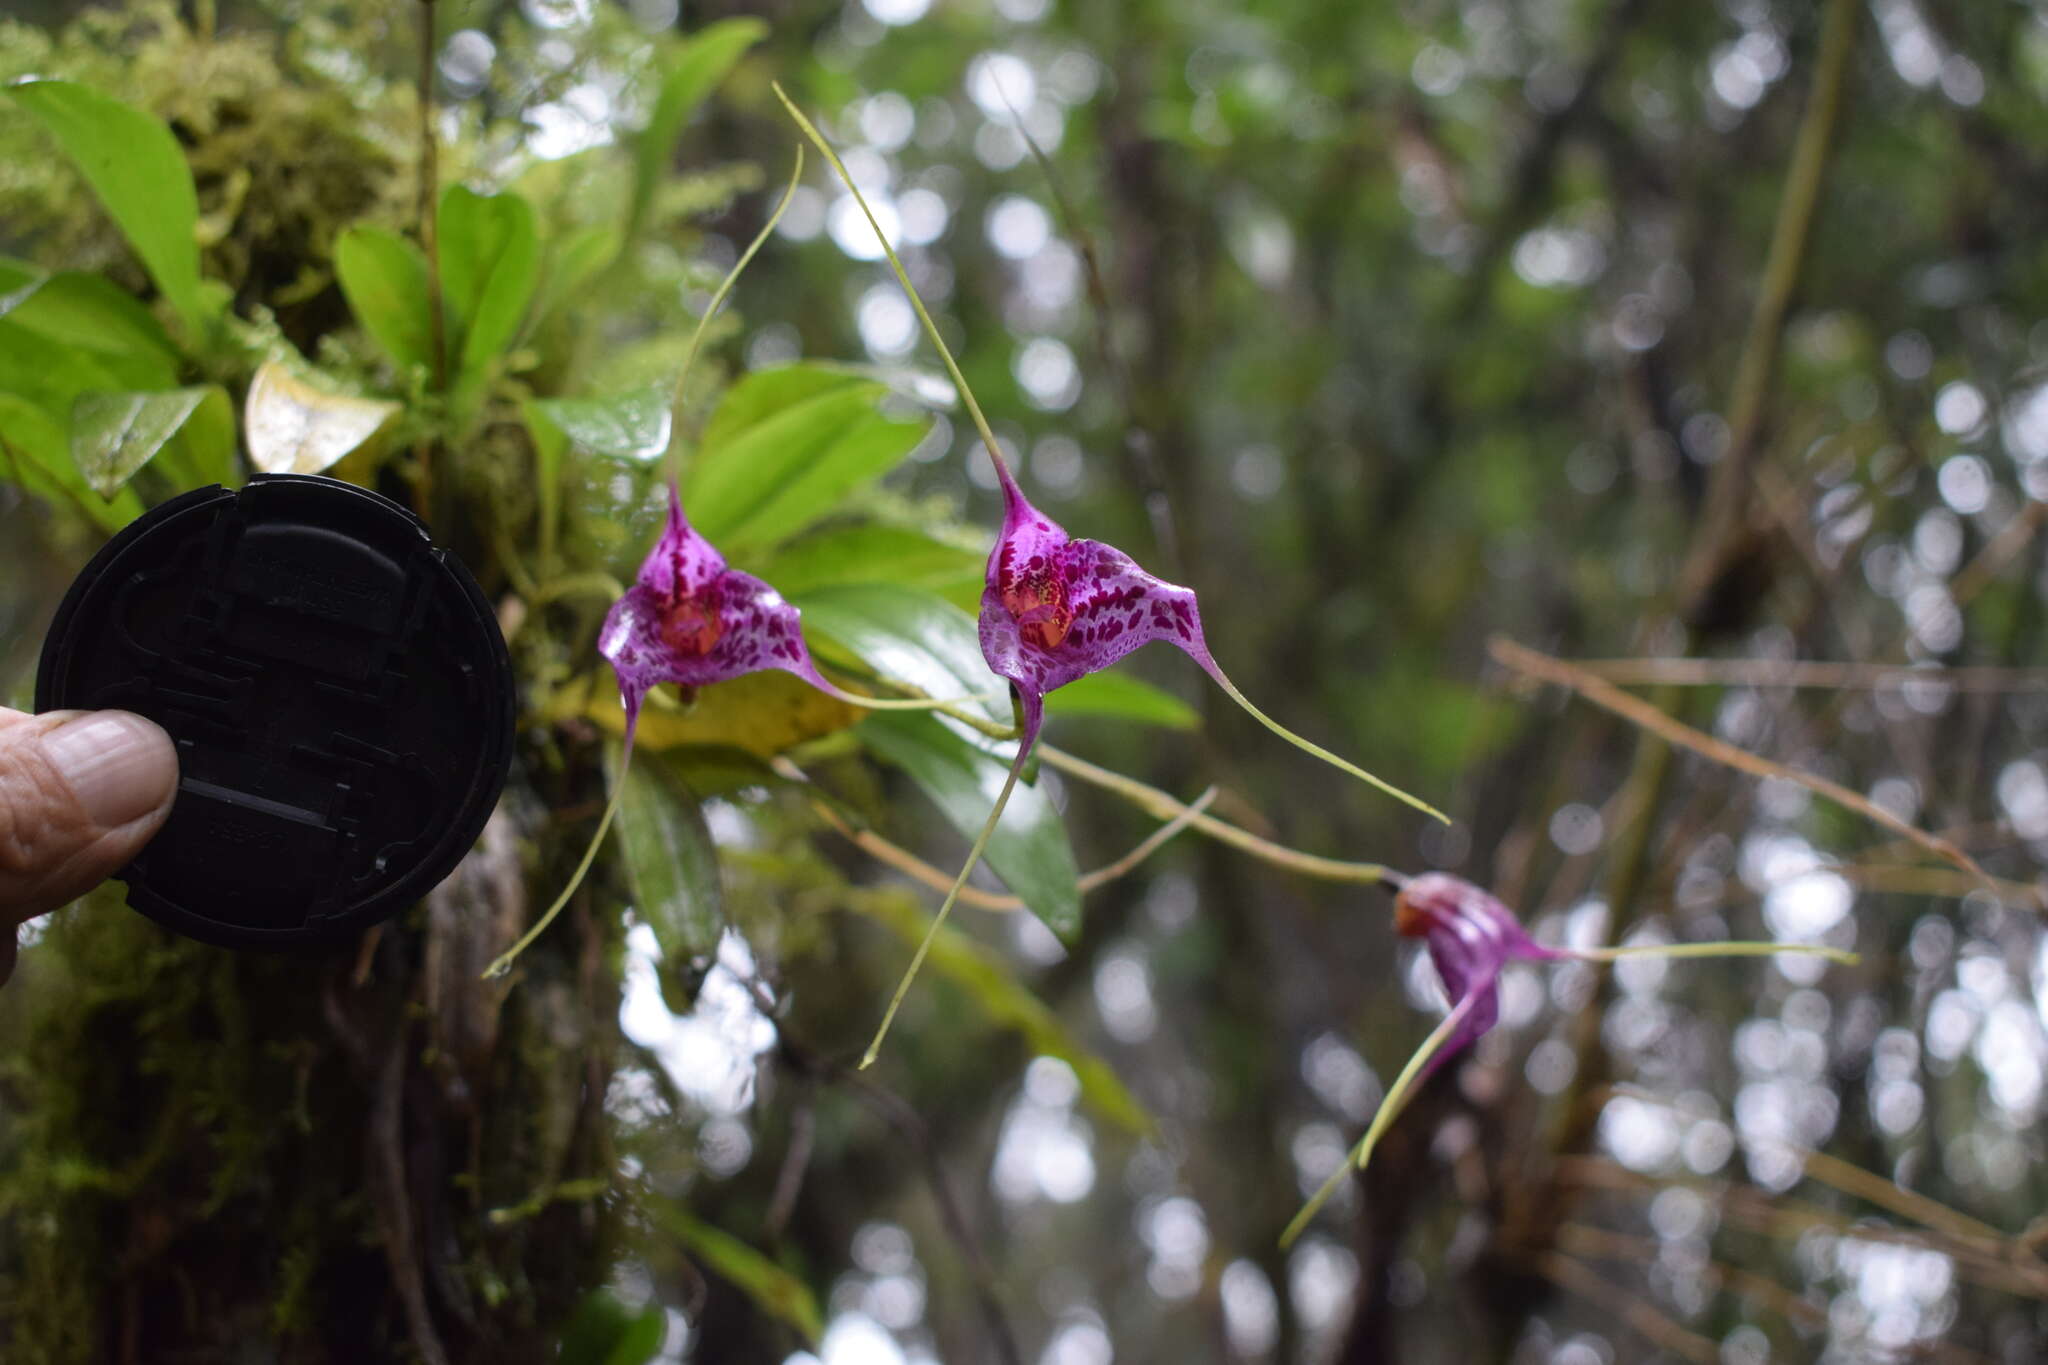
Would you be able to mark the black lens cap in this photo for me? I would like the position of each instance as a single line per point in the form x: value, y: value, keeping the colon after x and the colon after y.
x: 337, y: 688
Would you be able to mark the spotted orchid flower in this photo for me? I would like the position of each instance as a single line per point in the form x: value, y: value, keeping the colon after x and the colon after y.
x: 1054, y: 609
x: 689, y: 619
x: 1471, y: 938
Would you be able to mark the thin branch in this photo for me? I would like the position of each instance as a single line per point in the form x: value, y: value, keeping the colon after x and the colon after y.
x: 1732, y: 485
x: 1164, y: 806
x: 1886, y: 1194
x: 918, y: 870
x: 1651, y: 1323
x: 1530, y: 663
x: 1807, y: 674
x: 430, y: 184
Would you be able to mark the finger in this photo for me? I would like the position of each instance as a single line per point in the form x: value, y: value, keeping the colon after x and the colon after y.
x: 80, y: 794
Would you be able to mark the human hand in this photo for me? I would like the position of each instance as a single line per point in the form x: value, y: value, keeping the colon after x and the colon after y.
x: 80, y: 793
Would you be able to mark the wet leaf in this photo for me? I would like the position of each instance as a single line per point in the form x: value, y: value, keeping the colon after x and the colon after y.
x: 624, y: 426
x: 36, y: 454
x: 293, y: 428
x: 1029, y: 849
x: 115, y: 434
x: 907, y: 636
x: 137, y: 169
x: 671, y: 864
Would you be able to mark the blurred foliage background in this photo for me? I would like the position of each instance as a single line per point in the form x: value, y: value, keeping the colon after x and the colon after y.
x: 1628, y: 331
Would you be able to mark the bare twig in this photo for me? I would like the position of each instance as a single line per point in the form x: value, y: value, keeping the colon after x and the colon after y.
x: 1164, y: 806
x: 1807, y: 674
x: 1530, y: 663
x: 1729, y: 491
x: 918, y: 870
x: 1654, y: 1325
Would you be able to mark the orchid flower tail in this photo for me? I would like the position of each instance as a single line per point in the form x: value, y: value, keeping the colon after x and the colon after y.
x: 1309, y: 746
x: 718, y: 297
x: 931, y: 329
x: 503, y: 962
x: 1841, y: 955
x: 1031, y: 722
x: 1398, y: 1095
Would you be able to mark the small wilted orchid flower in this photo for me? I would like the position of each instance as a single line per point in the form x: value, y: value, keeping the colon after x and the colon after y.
x: 1471, y: 937
x: 1055, y: 609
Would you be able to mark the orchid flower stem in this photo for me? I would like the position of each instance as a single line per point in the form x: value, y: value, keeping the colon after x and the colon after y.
x: 1390, y: 1109
x: 1165, y: 806
x: 504, y: 962
x: 941, y: 704
x: 931, y: 329
x: 946, y: 908
x: 725, y: 285
x: 1841, y: 955
x: 1307, y: 746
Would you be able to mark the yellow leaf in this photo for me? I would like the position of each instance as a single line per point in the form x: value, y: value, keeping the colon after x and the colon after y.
x: 294, y: 428
x: 764, y: 713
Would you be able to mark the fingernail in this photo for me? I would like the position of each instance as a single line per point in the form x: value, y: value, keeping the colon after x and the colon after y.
x: 118, y: 765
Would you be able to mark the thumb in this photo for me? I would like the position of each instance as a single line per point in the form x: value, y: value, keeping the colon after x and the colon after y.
x: 80, y: 794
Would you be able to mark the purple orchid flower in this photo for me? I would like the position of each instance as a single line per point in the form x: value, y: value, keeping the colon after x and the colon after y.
x: 1471, y: 937
x: 1054, y: 609
x: 690, y: 620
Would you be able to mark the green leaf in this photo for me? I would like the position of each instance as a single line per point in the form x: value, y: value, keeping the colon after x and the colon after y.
x: 757, y: 481
x: 624, y: 426
x: 603, y: 1331
x: 1121, y: 697
x: 1029, y: 849
x: 384, y: 278
x: 490, y: 263
x: 773, y: 1290
x: 671, y: 863
x: 90, y: 313
x: 706, y: 61
x: 294, y: 428
x: 35, y: 453
x: 139, y: 172
x: 907, y: 636
x: 1004, y: 999
x: 49, y: 374
x: 572, y: 263
x: 114, y: 434
x: 868, y: 553
x: 759, y: 395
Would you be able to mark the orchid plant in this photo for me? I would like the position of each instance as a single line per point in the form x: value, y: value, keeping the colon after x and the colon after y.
x: 691, y: 619
x: 1055, y: 609
x: 1471, y: 937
